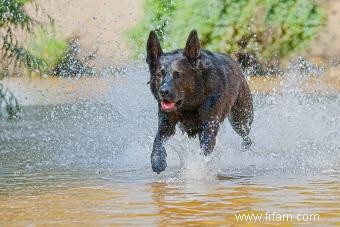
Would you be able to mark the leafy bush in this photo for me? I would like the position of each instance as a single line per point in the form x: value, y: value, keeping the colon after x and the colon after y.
x: 267, y: 28
x: 12, y: 12
x: 61, y: 57
x: 14, y: 16
x: 44, y: 50
x: 48, y: 45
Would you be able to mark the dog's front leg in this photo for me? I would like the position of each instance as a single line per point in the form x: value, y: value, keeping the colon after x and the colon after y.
x: 166, y: 128
x: 208, y: 135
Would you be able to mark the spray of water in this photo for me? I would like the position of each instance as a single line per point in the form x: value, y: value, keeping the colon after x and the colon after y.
x: 294, y: 131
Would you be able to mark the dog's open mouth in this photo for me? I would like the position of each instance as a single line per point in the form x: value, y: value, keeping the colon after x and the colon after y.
x: 169, y: 106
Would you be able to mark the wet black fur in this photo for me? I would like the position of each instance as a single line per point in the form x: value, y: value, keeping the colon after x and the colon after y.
x: 207, y: 87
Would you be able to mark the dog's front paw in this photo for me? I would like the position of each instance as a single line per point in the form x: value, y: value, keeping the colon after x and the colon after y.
x: 158, y: 163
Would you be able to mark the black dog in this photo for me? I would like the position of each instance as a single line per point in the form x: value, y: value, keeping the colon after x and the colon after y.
x: 198, y: 89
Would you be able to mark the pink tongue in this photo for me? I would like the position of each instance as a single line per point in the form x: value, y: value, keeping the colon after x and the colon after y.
x: 167, y: 105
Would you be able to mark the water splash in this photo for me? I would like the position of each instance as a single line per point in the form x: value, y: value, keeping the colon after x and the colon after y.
x: 294, y: 132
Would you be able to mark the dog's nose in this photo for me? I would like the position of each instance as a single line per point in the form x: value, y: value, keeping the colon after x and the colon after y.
x: 164, y: 91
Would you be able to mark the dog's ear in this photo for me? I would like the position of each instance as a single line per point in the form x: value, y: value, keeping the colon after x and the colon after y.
x: 153, y: 48
x: 193, y: 47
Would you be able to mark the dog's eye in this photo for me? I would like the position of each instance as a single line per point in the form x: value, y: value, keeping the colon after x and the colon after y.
x: 159, y: 75
x: 176, y: 75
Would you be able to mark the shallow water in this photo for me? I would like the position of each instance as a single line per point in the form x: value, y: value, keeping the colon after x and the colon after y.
x: 88, y: 163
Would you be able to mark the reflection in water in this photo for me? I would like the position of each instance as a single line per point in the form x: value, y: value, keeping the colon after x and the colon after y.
x: 160, y: 203
x: 89, y: 163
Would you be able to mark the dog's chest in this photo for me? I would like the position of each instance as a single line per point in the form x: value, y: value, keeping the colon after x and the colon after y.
x: 190, y: 123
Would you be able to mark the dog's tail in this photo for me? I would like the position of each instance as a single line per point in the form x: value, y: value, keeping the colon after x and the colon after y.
x: 251, y: 66
x: 249, y: 63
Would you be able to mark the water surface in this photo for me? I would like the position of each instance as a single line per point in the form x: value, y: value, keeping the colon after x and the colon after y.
x: 88, y: 163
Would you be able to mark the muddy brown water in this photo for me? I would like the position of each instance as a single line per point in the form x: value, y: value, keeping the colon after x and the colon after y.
x: 81, y: 157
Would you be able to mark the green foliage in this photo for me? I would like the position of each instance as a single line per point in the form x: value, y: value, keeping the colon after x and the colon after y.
x: 12, y: 13
x: 44, y: 52
x: 268, y: 28
x: 14, y: 54
x: 14, y: 16
x: 158, y: 14
x: 45, y: 44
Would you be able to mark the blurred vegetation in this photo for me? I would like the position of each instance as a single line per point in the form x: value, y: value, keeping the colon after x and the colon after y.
x: 266, y: 29
x: 13, y: 16
x: 46, y: 44
x: 45, y: 47
x: 44, y: 52
x: 61, y: 56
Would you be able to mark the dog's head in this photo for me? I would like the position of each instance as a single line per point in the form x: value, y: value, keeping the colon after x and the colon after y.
x: 174, y: 75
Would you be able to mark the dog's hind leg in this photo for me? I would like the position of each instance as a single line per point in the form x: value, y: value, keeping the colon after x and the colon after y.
x: 241, y: 115
x: 207, y: 136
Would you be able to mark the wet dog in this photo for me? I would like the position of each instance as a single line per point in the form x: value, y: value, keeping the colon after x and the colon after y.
x: 197, y: 89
